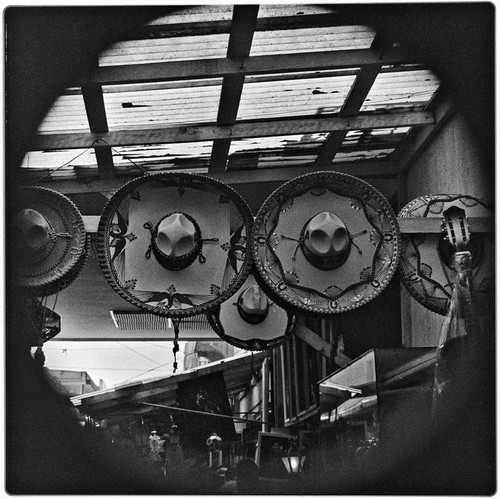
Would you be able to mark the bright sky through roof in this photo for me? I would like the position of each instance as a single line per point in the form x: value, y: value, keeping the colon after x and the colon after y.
x: 114, y: 361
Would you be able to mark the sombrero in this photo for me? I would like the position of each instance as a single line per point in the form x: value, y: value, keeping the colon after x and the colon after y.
x: 250, y: 320
x: 174, y: 244
x: 426, y: 267
x: 50, y: 244
x: 325, y: 243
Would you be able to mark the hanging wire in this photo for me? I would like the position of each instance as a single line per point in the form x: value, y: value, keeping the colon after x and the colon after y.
x: 142, y: 355
x: 146, y: 172
x: 65, y: 164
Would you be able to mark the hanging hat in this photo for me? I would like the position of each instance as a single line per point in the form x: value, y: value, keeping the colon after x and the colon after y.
x: 325, y: 243
x: 176, y: 241
x: 250, y: 320
x: 426, y: 268
x: 50, y: 244
x: 174, y: 244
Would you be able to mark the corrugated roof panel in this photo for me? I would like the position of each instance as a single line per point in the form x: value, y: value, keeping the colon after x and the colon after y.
x: 153, y: 106
x: 287, y: 98
x: 266, y: 143
x: 373, y: 139
x: 401, y: 89
x: 188, y: 155
x: 272, y: 10
x: 57, y: 159
x: 265, y: 161
x: 66, y: 114
x: 316, y: 39
x: 194, y: 14
x: 193, y: 156
x: 362, y: 155
x: 267, y: 152
x: 165, y: 49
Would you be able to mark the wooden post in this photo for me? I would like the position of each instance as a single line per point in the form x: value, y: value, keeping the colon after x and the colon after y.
x: 265, y: 394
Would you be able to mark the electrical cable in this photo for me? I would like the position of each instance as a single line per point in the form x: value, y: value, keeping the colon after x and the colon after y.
x: 132, y: 350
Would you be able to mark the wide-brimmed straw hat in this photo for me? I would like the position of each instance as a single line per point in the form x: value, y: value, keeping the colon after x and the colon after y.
x: 175, y: 244
x: 325, y: 243
x: 250, y: 320
x: 426, y: 268
x: 50, y: 244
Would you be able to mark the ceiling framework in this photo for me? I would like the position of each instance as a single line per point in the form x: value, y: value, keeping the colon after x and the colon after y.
x: 243, y: 89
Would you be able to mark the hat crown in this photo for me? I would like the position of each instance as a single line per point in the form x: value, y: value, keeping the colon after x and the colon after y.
x: 326, y: 235
x: 34, y: 229
x: 253, y: 300
x: 176, y: 235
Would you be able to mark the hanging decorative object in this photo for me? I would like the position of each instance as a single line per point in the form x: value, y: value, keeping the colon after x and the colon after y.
x: 250, y: 320
x: 50, y: 246
x: 325, y: 243
x: 427, y: 267
x: 46, y: 323
x: 175, y: 244
x: 458, y: 343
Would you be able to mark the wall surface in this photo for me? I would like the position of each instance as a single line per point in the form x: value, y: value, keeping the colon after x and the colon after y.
x: 451, y: 164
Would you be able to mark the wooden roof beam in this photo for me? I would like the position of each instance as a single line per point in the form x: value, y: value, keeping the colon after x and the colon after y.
x: 224, y: 26
x: 220, y: 67
x: 239, y: 45
x: 353, y: 103
x: 410, y: 150
x: 372, y: 169
x: 96, y: 115
x: 239, y: 130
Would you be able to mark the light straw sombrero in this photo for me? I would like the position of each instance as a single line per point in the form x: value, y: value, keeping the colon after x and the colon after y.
x: 325, y: 243
x: 426, y: 269
x: 250, y: 320
x: 175, y: 244
x: 50, y: 245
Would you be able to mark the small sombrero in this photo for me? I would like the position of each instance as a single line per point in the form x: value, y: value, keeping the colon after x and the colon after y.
x: 50, y: 245
x: 250, y: 320
x: 175, y: 244
x: 426, y: 267
x: 325, y: 243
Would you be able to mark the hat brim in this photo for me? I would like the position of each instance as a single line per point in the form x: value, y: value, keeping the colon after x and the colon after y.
x: 123, y: 242
x: 68, y: 252
x: 273, y: 331
x: 290, y: 278
x: 422, y: 270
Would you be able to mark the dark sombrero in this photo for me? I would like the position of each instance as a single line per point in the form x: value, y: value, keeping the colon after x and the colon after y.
x: 50, y: 243
x: 426, y: 267
x: 250, y: 320
x: 175, y: 244
x: 325, y: 243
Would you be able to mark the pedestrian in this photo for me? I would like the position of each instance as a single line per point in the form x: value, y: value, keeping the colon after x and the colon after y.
x: 154, y: 446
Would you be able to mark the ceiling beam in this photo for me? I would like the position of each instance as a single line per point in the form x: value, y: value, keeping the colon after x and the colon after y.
x: 239, y: 45
x: 372, y: 169
x: 96, y: 115
x: 352, y: 105
x: 220, y: 67
x: 239, y: 130
x: 416, y: 143
x: 224, y: 26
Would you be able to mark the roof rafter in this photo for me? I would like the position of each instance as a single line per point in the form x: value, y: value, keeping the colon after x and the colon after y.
x: 220, y: 67
x: 240, y: 43
x: 96, y: 115
x: 224, y: 26
x: 373, y: 169
x: 239, y: 130
x: 360, y: 89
